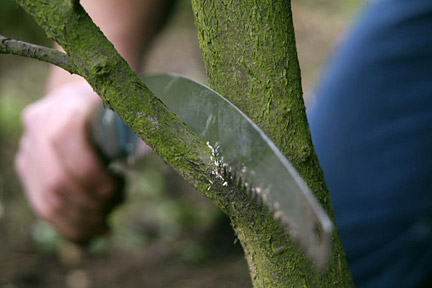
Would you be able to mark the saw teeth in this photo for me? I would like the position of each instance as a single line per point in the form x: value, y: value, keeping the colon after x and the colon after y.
x: 233, y: 176
x: 256, y: 194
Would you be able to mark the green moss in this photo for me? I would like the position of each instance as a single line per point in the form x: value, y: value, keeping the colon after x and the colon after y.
x: 250, y: 55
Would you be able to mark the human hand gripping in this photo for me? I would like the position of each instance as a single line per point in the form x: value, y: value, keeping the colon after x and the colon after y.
x: 64, y: 180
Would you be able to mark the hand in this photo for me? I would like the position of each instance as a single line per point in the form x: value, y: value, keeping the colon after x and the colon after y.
x: 64, y: 180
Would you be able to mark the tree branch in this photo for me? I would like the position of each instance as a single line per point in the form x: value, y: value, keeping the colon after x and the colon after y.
x: 45, y: 54
x: 94, y: 58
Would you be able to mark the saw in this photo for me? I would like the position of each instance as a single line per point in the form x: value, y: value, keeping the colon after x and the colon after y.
x: 240, y: 148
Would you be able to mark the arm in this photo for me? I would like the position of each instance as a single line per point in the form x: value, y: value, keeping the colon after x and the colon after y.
x: 65, y: 182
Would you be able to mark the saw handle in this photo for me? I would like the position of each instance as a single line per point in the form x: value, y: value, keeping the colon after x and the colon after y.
x: 110, y: 136
x: 111, y: 139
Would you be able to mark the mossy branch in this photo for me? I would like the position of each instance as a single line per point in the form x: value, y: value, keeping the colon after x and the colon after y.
x: 93, y: 57
x: 45, y: 54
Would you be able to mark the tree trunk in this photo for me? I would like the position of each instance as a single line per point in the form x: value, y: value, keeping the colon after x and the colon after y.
x: 250, y: 55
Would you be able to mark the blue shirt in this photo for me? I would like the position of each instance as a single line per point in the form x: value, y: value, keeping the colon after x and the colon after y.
x: 371, y: 126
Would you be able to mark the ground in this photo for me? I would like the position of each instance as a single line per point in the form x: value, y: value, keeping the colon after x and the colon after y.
x: 165, y: 235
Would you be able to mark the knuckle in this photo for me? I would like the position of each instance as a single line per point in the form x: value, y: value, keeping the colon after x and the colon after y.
x: 64, y: 132
x: 29, y: 115
x: 56, y: 137
x: 49, y: 213
x: 55, y: 183
x: 57, y: 133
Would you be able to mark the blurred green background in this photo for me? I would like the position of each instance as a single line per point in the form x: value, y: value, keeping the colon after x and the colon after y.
x: 165, y: 235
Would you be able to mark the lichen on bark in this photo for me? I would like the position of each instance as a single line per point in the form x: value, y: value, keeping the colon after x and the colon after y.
x: 251, y: 58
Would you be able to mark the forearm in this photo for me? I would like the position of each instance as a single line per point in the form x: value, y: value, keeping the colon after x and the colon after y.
x: 129, y: 24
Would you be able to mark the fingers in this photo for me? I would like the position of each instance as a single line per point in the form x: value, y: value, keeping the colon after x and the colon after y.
x: 92, y: 173
x: 65, y: 182
x: 54, y: 198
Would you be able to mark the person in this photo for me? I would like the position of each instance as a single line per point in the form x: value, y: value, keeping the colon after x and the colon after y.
x: 371, y: 126
x: 65, y: 181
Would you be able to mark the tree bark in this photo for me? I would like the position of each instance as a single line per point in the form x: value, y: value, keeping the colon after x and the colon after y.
x: 48, y: 55
x: 251, y: 58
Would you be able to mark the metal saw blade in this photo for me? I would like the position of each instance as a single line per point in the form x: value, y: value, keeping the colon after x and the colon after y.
x: 251, y: 156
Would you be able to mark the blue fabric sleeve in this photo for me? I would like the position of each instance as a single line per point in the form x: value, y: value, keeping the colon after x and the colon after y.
x: 371, y: 126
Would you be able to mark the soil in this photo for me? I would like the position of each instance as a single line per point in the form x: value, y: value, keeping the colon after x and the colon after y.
x: 158, y: 267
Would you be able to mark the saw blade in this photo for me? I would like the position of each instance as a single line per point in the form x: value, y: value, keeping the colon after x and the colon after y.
x: 241, y: 147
